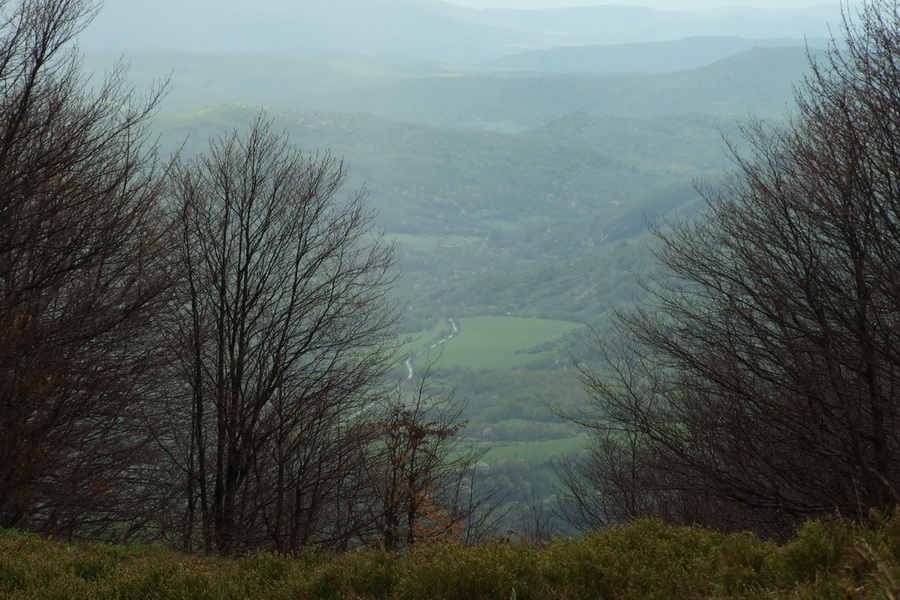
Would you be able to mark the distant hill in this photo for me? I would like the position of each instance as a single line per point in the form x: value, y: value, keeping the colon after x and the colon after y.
x: 687, y: 53
x: 486, y: 219
x: 429, y: 180
x: 615, y: 24
x: 280, y: 78
x: 574, y: 143
x: 431, y: 30
x: 428, y: 29
x: 757, y: 82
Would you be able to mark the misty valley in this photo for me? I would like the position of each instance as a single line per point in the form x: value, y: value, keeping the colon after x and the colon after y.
x: 377, y: 280
x: 515, y: 158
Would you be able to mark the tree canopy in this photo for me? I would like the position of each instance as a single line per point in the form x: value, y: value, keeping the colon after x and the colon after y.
x: 757, y: 384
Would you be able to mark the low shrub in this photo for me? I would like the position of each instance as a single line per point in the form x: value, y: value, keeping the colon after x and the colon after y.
x: 449, y: 570
x: 360, y: 574
x: 828, y: 558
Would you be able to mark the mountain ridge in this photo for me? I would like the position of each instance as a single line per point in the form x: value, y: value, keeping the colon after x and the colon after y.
x: 680, y: 54
x: 433, y: 30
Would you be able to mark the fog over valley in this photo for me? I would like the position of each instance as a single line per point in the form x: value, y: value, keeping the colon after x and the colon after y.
x: 515, y: 155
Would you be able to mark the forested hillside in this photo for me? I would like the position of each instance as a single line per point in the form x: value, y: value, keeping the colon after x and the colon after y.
x: 506, y: 184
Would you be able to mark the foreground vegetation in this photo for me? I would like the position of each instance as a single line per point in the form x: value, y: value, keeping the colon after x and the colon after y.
x: 831, y: 558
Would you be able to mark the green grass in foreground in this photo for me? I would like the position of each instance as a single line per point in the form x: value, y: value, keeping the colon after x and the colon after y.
x: 831, y: 558
x: 488, y: 343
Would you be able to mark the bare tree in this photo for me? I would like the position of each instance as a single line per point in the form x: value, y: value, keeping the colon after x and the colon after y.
x: 423, y: 478
x: 284, y: 328
x: 536, y: 521
x: 83, y: 277
x: 758, y: 384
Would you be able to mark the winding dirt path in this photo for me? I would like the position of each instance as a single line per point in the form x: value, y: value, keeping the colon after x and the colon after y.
x: 435, y: 344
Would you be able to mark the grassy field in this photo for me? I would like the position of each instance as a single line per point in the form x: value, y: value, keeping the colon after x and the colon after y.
x: 830, y: 558
x: 487, y: 343
x: 532, y: 451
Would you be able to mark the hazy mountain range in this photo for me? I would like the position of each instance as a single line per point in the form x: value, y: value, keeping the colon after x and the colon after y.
x: 428, y: 29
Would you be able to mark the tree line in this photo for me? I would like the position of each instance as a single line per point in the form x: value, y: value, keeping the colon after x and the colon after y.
x: 757, y: 385
x: 194, y: 350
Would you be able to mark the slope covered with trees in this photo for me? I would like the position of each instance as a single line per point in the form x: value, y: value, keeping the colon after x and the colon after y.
x: 193, y: 351
x: 755, y: 386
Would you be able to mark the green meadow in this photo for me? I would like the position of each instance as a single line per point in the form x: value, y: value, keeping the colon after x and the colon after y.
x: 532, y: 452
x: 490, y: 343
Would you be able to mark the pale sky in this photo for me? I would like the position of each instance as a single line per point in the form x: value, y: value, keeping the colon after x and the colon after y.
x: 670, y: 4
